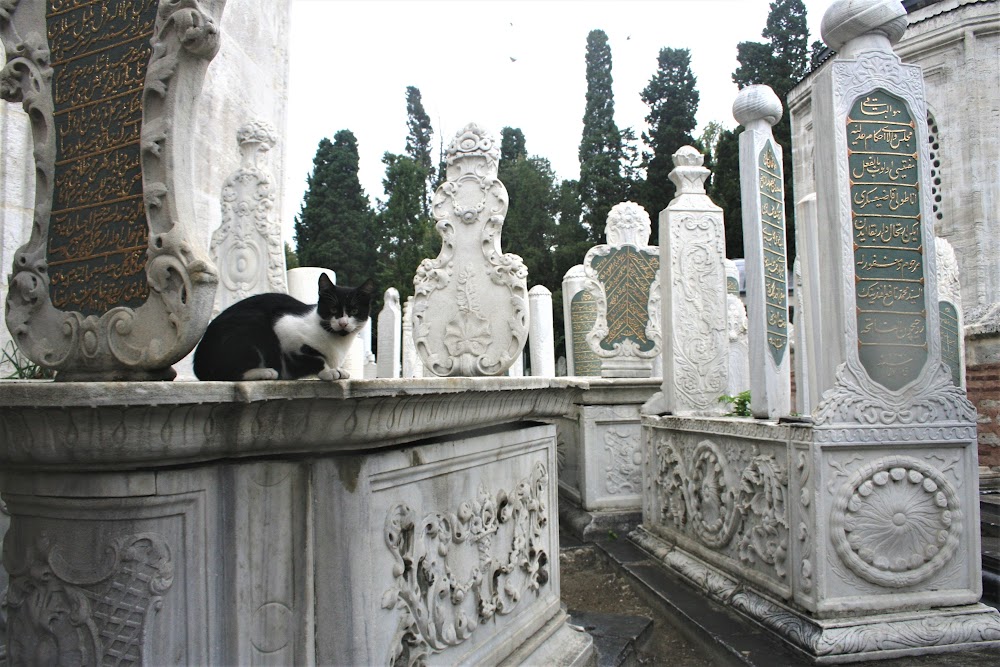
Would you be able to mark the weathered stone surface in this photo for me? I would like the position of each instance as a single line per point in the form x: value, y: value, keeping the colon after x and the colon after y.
x: 541, y: 337
x: 470, y: 307
x: 579, y: 316
x: 390, y: 336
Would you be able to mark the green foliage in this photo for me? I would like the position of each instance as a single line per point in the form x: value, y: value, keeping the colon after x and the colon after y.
x: 780, y: 63
x: 672, y: 97
x: 406, y: 234
x: 512, y: 146
x: 291, y: 258
x: 601, y: 182
x: 22, y: 367
x: 740, y: 403
x: 724, y: 188
x: 336, y: 224
x: 418, y: 140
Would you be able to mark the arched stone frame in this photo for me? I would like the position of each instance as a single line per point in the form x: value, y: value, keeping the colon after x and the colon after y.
x: 123, y: 343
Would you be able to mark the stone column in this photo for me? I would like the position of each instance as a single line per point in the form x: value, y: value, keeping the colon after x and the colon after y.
x: 413, y: 367
x: 246, y: 247
x: 692, y: 245
x: 17, y: 185
x: 540, y: 338
x: 950, y: 309
x: 739, y: 353
x: 390, y: 332
x: 757, y: 108
x: 624, y: 278
x: 579, y: 315
x: 809, y: 305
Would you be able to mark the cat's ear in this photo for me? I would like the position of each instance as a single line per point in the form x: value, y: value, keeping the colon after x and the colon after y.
x: 324, y: 282
x: 368, y: 287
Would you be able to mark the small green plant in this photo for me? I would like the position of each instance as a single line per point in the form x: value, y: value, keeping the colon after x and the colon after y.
x: 740, y: 404
x: 24, y: 368
x: 612, y: 535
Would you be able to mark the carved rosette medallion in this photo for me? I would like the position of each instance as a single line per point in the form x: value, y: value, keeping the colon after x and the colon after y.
x: 440, y: 608
x: 896, y: 521
x: 109, y: 285
x: 62, y: 612
x: 470, y: 308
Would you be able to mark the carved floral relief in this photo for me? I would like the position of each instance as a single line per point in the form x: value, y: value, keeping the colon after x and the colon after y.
x: 439, y: 607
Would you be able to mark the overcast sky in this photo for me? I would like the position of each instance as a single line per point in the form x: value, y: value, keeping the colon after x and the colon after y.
x: 517, y: 63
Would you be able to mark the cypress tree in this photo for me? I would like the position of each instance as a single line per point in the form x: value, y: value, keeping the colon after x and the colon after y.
x: 335, y: 225
x: 418, y: 141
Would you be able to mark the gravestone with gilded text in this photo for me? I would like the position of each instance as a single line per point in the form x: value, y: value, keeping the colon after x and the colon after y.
x: 757, y: 108
x: 623, y: 277
x: 579, y: 315
x: 109, y: 285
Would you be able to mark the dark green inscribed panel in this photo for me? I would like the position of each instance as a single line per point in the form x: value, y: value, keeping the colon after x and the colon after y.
x: 951, y: 344
x: 627, y: 274
x: 98, y: 233
x: 890, y: 297
x: 732, y: 286
x: 772, y: 218
x: 583, y: 314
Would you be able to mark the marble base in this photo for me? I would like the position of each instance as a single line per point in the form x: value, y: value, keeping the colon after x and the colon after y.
x: 841, y: 640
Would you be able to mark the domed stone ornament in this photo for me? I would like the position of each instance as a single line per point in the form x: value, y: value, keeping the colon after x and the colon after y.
x: 896, y: 522
x: 470, y: 307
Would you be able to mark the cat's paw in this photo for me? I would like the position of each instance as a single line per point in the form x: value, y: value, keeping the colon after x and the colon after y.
x: 331, y: 374
x: 261, y: 374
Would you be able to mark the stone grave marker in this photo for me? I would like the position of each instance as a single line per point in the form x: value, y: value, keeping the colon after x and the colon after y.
x: 390, y: 345
x: 541, y: 341
x: 739, y: 352
x: 470, y: 307
x: 950, y: 308
x: 623, y: 277
x: 579, y: 315
x: 109, y: 285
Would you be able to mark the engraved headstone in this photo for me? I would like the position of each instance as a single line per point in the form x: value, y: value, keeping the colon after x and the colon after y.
x: 247, y: 247
x: 623, y: 277
x: 739, y: 351
x: 695, y: 304
x: 541, y: 342
x: 950, y: 307
x: 110, y: 284
x: 757, y: 108
x: 579, y: 315
x: 390, y: 333
x: 470, y: 307
x: 413, y: 367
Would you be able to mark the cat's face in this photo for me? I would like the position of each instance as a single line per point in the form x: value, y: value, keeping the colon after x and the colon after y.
x: 343, y: 310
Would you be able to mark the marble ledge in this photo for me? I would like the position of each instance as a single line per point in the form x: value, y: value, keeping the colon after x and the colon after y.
x: 131, y: 425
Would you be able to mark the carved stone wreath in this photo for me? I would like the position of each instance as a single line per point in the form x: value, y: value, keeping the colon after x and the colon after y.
x: 896, y: 521
x: 441, y: 608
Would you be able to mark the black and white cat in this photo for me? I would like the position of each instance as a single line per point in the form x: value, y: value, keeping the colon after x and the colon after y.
x: 275, y: 336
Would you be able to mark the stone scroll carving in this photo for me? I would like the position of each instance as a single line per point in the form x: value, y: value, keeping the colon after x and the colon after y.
x: 470, y: 308
x: 247, y: 247
x: 109, y: 285
x: 64, y: 612
x: 440, y: 607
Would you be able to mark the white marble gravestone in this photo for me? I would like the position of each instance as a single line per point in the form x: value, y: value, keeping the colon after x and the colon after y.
x: 541, y: 339
x: 694, y: 303
x: 390, y: 333
x: 950, y: 310
x: 470, y: 307
x: 247, y: 247
x: 579, y: 315
x: 413, y: 367
x: 739, y: 353
x: 110, y: 284
x: 623, y: 278
x: 757, y: 108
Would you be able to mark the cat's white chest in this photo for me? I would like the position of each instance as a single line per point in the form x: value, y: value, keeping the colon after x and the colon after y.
x: 296, y: 331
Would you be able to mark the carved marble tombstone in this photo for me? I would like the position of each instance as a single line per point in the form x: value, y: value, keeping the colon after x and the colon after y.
x: 247, y: 248
x: 109, y: 285
x: 623, y: 277
x: 470, y: 308
x: 757, y: 108
x: 739, y: 352
x: 541, y: 339
x: 388, y: 356
x: 579, y: 315
x: 695, y: 310
x: 413, y: 367
x: 950, y: 309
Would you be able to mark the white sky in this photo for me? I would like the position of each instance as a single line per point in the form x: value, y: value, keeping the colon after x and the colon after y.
x: 351, y: 61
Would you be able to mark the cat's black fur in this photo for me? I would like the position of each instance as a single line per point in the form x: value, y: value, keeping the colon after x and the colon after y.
x: 275, y: 336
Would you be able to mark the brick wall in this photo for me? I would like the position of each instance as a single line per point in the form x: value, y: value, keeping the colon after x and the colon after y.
x: 983, y: 382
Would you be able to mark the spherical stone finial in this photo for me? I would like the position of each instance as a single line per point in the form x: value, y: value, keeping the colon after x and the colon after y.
x: 757, y: 102
x: 848, y: 19
x: 688, y: 156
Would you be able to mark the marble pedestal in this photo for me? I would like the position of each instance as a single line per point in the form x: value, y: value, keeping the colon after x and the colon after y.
x: 848, y: 543
x: 360, y: 522
x: 600, y: 474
